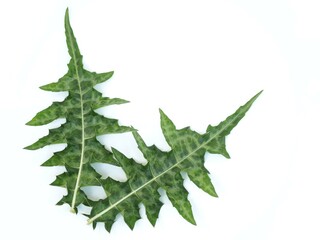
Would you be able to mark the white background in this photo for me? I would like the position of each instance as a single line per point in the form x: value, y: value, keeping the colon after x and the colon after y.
x: 196, y: 60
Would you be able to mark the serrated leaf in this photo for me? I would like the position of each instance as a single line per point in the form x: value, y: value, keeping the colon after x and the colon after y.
x: 163, y: 170
x: 82, y: 125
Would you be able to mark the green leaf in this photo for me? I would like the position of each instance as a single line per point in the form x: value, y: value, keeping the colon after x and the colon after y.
x: 163, y: 170
x: 82, y: 125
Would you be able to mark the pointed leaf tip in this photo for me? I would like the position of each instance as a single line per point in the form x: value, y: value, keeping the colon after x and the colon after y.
x: 66, y: 16
x: 46, y: 87
x: 66, y: 19
x: 259, y: 93
x: 29, y: 123
x: 192, y: 221
x: 74, y: 52
x: 162, y: 114
x: 252, y: 100
x: 33, y: 122
x: 255, y: 96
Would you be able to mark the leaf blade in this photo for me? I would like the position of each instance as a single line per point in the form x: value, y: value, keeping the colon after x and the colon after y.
x: 82, y: 125
x: 164, y: 168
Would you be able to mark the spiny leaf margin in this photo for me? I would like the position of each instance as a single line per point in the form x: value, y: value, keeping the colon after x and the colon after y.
x: 163, y: 170
x: 82, y: 126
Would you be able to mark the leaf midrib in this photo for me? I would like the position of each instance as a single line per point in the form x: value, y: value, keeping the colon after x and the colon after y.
x: 74, y: 197
x: 161, y: 174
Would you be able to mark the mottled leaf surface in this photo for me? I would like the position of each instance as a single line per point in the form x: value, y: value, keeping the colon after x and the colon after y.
x: 82, y: 126
x: 163, y: 170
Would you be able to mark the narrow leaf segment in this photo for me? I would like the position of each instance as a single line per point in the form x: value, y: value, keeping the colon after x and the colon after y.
x: 82, y: 126
x: 163, y: 170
